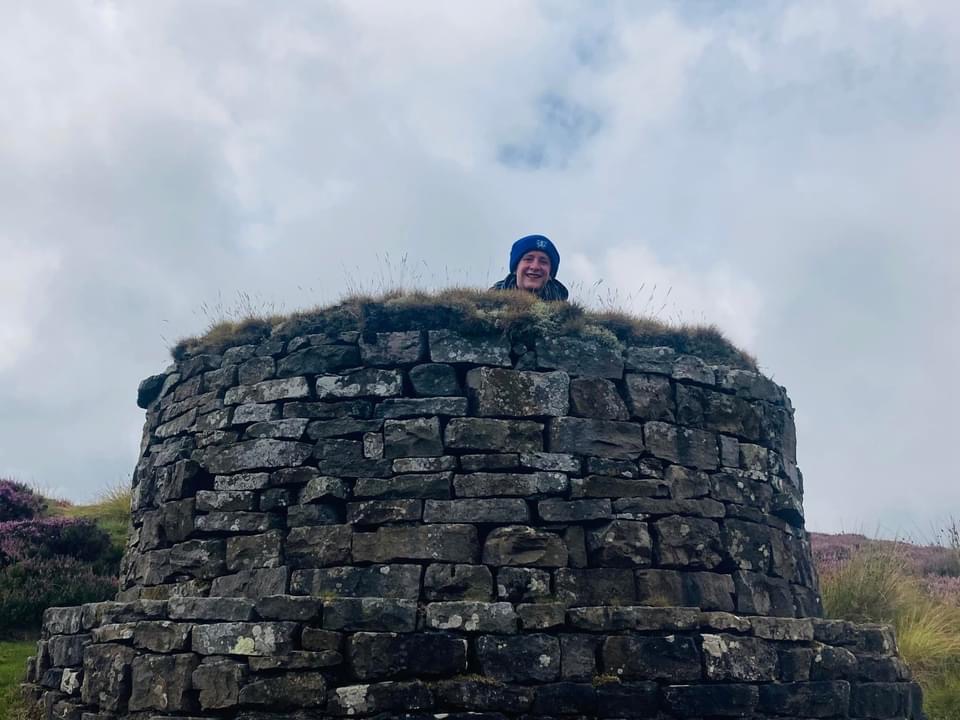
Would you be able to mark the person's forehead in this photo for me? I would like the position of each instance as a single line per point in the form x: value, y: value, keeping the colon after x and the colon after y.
x: 535, y: 253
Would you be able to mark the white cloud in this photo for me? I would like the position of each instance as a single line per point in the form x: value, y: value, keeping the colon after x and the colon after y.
x: 25, y: 276
x: 786, y: 171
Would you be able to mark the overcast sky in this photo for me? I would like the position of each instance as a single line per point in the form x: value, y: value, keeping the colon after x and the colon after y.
x: 787, y: 170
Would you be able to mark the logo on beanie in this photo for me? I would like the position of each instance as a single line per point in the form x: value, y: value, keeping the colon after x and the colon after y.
x: 541, y: 244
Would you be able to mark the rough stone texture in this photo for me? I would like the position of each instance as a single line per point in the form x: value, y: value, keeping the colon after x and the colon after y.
x: 422, y: 523
x: 596, y: 398
x: 606, y: 438
x: 518, y: 394
x: 524, y: 546
x: 588, y: 358
x: 449, y: 347
x: 496, y: 435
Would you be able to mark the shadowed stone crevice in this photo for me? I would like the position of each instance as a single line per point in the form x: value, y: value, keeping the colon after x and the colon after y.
x: 421, y: 524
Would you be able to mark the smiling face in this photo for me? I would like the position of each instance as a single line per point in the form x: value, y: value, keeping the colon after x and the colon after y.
x: 533, y: 270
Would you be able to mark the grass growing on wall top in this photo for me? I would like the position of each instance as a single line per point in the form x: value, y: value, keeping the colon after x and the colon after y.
x: 518, y: 315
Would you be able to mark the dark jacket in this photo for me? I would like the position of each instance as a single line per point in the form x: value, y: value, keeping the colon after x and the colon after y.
x: 552, y: 291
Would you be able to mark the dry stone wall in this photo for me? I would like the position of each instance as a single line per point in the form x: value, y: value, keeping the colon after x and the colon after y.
x: 423, y: 524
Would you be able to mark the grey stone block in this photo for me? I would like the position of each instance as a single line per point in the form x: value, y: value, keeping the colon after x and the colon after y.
x: 674, y: 658
x: 419, y: 437
x: 421, y: 485
x: 390, y: 581
x: 605, y: 438
x: 580, y: 356
x: 446, y: 582
x: 494, y: 510
x: 524, y: 546
x: 483, y: 484
x: 472, y: 616
x: 447, y: 346
x: 497, y: 435
x: 514, y: 393
x: 244, y: 638
x: 738, y: 659
x: 388, y: 655
x: 370, y: 614
x: 442, y: 542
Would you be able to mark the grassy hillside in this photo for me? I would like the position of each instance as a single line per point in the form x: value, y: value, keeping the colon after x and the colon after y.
x: 80, y: 578
x: 915, y: 588
x: 111, y: 512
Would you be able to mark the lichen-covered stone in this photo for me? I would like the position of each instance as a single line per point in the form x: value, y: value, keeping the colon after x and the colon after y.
x: 238, y: 638
x: 674, y: 658
x: 319, y: 546
x: 366, y: 382
x: 620, y: 543
x: 447, y: 346
x: 385, y: 697
x: 106, y: 676
x: 512, y: 393
x: 521, y: 659
x: 268, y: 391
x: 688, y: 542
x: 650, y: 397
x: 163, y: 682
x: 471, y: 616
x: 522, y: 584
x: 738, y: 659
x: 630, y: 617
x: 484, y: 484
x: 62, y: 620
x: 255, y: 454
x: 161, y: 636
x: 391, y: 581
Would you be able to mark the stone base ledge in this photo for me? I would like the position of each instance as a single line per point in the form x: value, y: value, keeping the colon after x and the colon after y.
x: 295, y: 656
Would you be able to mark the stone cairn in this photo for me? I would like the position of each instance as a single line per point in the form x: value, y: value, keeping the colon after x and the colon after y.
x: 426, y: 525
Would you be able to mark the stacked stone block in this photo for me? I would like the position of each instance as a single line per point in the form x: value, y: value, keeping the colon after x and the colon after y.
x: 423, y: 524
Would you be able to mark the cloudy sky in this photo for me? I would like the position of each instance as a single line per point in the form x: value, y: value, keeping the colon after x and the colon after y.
x: 787, y: 170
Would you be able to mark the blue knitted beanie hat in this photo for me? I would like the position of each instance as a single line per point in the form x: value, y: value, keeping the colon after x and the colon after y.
x: 534, y: 242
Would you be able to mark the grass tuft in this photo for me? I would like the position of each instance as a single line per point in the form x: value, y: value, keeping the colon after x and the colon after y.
x: 518, y: 315
x: 878, y: 582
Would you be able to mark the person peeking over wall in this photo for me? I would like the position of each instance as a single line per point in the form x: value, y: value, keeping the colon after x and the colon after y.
x: 534, y: 262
